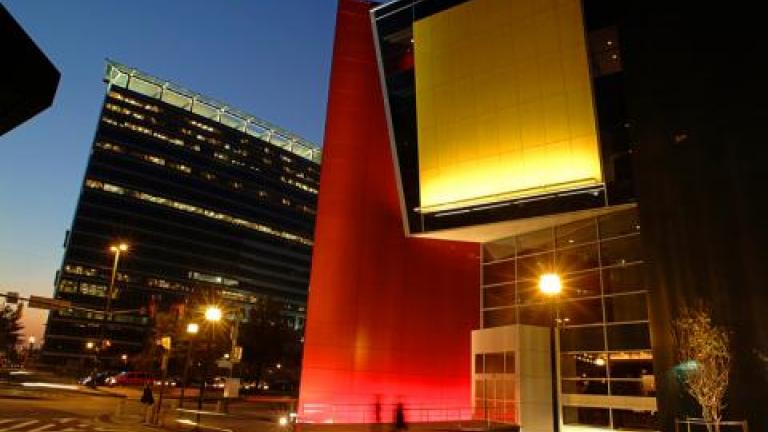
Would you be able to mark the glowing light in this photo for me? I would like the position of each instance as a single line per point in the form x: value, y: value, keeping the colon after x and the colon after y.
x: 550, y: 284
x: 283, y: 421
x: 31, y: 340
x: 193, y: 328
x: 513, y: 117
x: 49, y: 385
x: 213, y: 314
x: 122, y: 247
x: 600, y: 361
x: 89, y: 345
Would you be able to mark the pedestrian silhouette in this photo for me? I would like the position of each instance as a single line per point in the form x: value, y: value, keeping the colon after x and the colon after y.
x: 148, y: 400
x: 400, y: 424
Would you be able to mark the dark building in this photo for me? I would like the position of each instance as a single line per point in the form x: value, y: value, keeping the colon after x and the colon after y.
x: 208, y: 199
x: 615, y: 145
x: 28, y: 80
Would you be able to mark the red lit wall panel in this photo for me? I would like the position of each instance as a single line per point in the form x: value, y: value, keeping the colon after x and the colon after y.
x: 389, y: 317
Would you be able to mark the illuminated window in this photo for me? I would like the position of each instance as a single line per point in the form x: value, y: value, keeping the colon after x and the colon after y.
x: 154, y: 159
x: 80, y: 270
x: 68, y: 286
x: 221, y: 280
x: 189, y: 208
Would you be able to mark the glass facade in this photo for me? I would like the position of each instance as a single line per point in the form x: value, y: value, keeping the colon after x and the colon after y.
x: 606, y: 368
x: 206, y: 205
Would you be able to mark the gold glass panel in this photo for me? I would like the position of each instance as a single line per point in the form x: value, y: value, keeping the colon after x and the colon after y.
x: 504, y: 103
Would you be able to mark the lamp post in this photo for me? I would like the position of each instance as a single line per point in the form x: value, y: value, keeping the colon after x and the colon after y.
x: 551, y: 286
x: 192, y: 329
x: 116, y: 250
x: 212, y: 316
x: 31, y: 347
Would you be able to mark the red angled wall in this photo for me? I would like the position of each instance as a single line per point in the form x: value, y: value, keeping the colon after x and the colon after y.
x: 389, y: 317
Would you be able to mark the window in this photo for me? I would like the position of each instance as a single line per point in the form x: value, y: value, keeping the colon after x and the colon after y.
x: 502, y: 295
x: 499, y: 272
x: 621, y: 251
x: 623, y: 308
x: 619, y: 224
x: 575, y: 233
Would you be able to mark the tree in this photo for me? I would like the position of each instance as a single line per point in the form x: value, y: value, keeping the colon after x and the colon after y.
x: 268, y: 340
x: 704, y: 350
x: 10, y: 329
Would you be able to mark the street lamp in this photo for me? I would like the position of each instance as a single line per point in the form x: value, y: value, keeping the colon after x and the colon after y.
x: 31, y: 347
x: 213, y: 315
x: 192, y: 329
x: 551, y: 286
x: 89, y: 345
x: 116, y: 249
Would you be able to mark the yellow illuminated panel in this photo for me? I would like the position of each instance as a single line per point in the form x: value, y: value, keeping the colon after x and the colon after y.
x: 504, y: 102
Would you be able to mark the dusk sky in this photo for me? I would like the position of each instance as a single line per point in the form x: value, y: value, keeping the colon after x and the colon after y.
x: 270, y: 58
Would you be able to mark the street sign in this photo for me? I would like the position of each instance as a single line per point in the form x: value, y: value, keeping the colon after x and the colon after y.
x: 165, y: 342
x: 38, y: 302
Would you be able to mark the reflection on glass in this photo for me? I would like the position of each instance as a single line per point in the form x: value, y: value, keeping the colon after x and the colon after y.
x: 582, y: 312
x: 619, y: 223
x: 585, y: 386
x: 578, y: 258
x: 538, y: 314
x: 631, y: 364
x: 532, y: 267
x: 621, y: 308
x: 624, y: 279
x: 499, y: 272
x: 499, y: 317
x: 497, y: 296
x: 635, y: 420
x: 582, y: 339
x: 586, y: 416
x: 583, y: 365
x: 499, y: 249
x: 576, y: 233
x: 628, y: 336
x: 585, y: 284
x: 621, y: 251
x: 535, y: 242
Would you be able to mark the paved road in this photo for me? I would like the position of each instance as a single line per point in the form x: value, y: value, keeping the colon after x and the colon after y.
x: 71, y: 413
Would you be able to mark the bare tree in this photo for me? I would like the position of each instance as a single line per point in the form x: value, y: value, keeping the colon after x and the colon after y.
x: 704, y: 350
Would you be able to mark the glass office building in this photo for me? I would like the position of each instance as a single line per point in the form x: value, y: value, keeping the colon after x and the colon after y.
x: 208, y: 199
x: 606, y: 364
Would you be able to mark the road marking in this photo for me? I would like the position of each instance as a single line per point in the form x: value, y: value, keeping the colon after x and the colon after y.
x: 42, y: 428
x: 20, y: 425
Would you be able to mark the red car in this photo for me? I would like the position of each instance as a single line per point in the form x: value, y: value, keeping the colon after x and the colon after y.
x: 131, y: 378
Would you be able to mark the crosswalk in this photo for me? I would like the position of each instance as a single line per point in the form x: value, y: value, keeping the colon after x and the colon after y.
x: 64, y: 424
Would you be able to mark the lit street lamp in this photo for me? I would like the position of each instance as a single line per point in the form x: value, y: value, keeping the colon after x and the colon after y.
x: 192, y: 329
x: 551, y: 286
x: 30, y: 348
x: 116, y: 250
x: 213, y: 316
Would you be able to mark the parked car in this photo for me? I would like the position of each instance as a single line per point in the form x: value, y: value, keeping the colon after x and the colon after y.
x: 131, y: 378
x: 100, y: 378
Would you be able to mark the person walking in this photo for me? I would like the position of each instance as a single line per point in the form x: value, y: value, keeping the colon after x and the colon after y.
x: 148, y: 400
x: 400, y: 424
